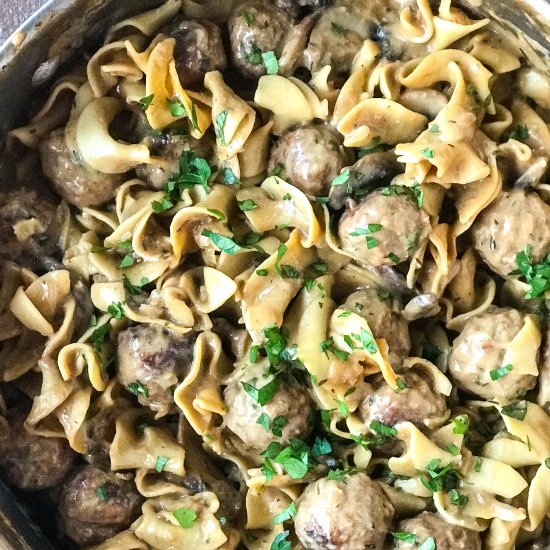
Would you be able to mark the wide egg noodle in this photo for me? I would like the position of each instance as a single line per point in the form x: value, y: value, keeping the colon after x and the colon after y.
x: 220, y: 262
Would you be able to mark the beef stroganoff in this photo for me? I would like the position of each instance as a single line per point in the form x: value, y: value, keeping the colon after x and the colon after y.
x: 274, y: 276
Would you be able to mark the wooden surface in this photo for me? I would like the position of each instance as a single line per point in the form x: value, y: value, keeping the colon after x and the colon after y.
x: 14, y: 12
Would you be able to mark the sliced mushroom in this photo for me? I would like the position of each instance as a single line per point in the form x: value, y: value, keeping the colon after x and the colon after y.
x: 368, y: 173
x: 424, y: 305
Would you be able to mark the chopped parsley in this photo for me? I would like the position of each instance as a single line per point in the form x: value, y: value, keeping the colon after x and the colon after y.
x: 193, y: 171
x: 373, y: 147
x: 185, y: 517
x: 327, y: 346
x: 461, y: 424
x: 547, y: 463
x: 229, y: 177
x: 133, y: 289
x: 262, y: 272
x: 402, y: 536
x: 97, y: 338
x: 428, y: 544
x: 254, y: 352
x: 137, y: 388
x: 342, y: 178
x: 219, y: 126
x: 453, y: 449
x: 497, y: 374
x: 246, y: 205
x: 254, y: 55
x: 101, y: 493
x: 394, y: 258
x: 382, y: 429
x: 279, y: 422
x: 440, y: 478
x: 288, y: 513
x: 161, y: 463
x: 367, y: 340
x: 383, y: 295
x: 224, y: 243
x: 116, y: 310
x: 401, y: 385
x: 342, y: 407
x: 146, y: 102
x: 295, y: 459
x: 321, y: 446
x: 127, y: 261
x: 341, y: 475
x: 217, y: 214
x: 270, y: 62
x: 263, y: 421
x: 430, y: 351
x: 536, y: 275
x: 414, y: 190
x: 319, y: 267
x: 248, y: 17
x: 434, y: 129
x: 457, y: 499
x: 177, y: 108
x: 161, y: 206
x: 428, y: 153
x: 264, y: 394
x: 477, y: 465
x: 516, y: 410
x: 280, y: 542
x: 519, y: 133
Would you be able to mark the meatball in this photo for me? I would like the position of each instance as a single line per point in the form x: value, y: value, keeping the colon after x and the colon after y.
x: 417, y: 403
x: 480, y: 348
x: 32, y: 462
x: 256, y: 27
x: 514, y: 221
x: 354, y: 514
x: 199, y: 49
x: 27, y: 224
x: 383, y: 313
x: 151, y: 361
x: 335, y: 41
x: 290, y: 407
x: 309, y: 157
x: 384, y: 228
x: 95, y: 505
x: 446, y: 536
x: 77, y: 184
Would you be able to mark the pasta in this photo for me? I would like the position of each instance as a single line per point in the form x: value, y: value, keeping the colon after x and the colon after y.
x: 290, y: 294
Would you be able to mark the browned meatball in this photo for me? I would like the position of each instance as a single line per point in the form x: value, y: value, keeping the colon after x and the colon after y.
x: 309, y: 157
x: 170, y: 148
x: 32, y: 462
x: 199, y: 49
x: 514, y: 221
x: 384, y: 228
x: 352, y: 514
x: 480, y: 348
x: 383, y: 314
x: 27, y: 224
x: 95, y: 505
x: 335, y: 40
x: 256, y: 27
x: 291, y: 402
x: 77, y: 184
x: 446, y: 536
x: 151, y: 361
x: 417, y: 403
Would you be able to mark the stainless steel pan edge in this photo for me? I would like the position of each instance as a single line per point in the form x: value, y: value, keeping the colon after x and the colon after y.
x: 57, y: 32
